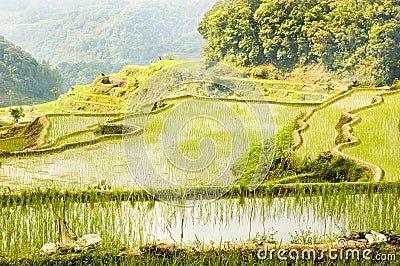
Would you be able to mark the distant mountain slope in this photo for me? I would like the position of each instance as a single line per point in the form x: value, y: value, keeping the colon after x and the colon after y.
x: 29, y: 80
x: 114, y: 32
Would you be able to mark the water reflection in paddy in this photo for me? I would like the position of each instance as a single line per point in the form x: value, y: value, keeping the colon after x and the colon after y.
x: 25, y: 229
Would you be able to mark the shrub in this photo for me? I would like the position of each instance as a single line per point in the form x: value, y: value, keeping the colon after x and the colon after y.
x: 335, y: 170
x: 396, y: 85
x: 17, y: 113
x: 354, y: 84
x: 111, y: 129
x: 261, y: 161
x: 265, y: 72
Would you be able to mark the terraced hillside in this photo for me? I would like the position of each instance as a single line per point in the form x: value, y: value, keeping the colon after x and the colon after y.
x: 87, y: 165
x: 321, y: 135
x: 79, y: 152
x: 92, y: 145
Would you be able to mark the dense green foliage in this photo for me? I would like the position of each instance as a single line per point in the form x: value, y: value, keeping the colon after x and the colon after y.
x: 91, y: 37
x: 347, y: 36
x: 22, y: 79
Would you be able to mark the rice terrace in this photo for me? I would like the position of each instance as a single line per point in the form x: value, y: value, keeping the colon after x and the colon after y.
x: 281, y: 146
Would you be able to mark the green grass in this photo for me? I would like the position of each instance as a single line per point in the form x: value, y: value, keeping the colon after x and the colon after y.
x: 69, y: 139
x: 46, y: 107
x: 294, y: 91
x: 92, y: 102
x: 4, y: 111
x: 79, y: 89
x: 379, y: 132
x: 172, y: 62
x: 108, y: 97
x: 4, y: 124
x: 84, y: 136
x: 13, y: 144
x: 294, y: 97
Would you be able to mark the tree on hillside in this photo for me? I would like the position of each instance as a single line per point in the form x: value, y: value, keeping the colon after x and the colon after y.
x: 55, y: 91
x: 17, y: 113
x: 170, y: 56
x: 10, y: 94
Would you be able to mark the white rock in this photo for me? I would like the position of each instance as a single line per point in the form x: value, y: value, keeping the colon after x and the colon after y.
x: 76, y: 247
x: 81, y: 244
x: 380, y: 238
x: 88, y: 240
x: 375, y: 238
x: 370, y: 238
x: 49, y: 248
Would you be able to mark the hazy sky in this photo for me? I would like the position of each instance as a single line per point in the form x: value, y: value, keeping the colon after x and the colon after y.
x: 43, y: 5
x: 24, y: 5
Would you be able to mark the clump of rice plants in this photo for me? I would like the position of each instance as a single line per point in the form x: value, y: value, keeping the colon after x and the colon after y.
x: 260, y: 155
x: 335, y: 170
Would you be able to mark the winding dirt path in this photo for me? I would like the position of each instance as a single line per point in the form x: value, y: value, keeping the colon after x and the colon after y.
x: 378, y: 172
x: 346, y: 131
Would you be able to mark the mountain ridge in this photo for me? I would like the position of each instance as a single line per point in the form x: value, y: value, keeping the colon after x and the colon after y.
x: 23, y: 80
x: 105, y: 35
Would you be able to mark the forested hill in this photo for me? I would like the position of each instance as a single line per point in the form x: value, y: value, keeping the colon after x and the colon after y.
x: 22, y: 79
x: 86, y: 38
x: 352, y: 37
